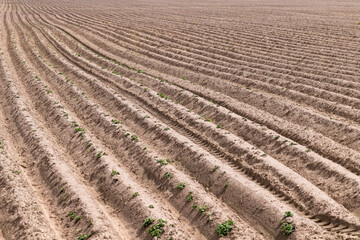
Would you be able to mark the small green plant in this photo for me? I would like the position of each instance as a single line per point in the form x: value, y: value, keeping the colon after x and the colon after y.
x: 308, y: 150
x: 147, y: 222
x: 220, y: 126
x: 202, y: 209
x: 224, y: 228
x: 99, y: 155
x: 288, y: 214
x: 114, y: 172
x: 84, y: 237
x: 166, y: 129
x: 194, y: 205
x: 214, y: 168
x: 226, y: 184
x: 135, y: 194
x: 157, y: 229
x: 190, y: 197
x: 181, y: 186
x: 81, y: 130
x: 163, y: 96
x: 72, y: 215
x: 277, y: 137
x: 77, y: 219
x: 248, y: 88
x: 134, y: 138
x: 151, y: 206
x: 139, y: 71
x: 162, y: 162
x: 114, y: 121
x: 167, y: 175
x: 287, y: 228
x: 292, y: 143
x: 62, y: 190
x: 17, y: 172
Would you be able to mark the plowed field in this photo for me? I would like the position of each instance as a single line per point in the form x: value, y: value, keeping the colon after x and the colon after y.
x: 194, y: 112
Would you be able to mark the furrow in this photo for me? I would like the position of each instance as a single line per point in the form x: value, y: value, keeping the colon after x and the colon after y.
x: 115, y: 189
x: 109, y: 101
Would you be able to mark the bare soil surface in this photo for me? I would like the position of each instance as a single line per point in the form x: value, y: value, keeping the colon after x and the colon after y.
x: 188, y: 112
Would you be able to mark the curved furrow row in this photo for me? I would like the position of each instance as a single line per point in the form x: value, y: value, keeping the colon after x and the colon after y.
x: 334, y: 129
x: 262, y: 52
x: 184, y: 120
x: 269, y: 139
x: 296, y: 68
x: 225, y: 42
x: 304, y: 90
x: 177, y: 94
x: 297, y: 76
x: 46, y: 171
x: 115, y: 188
x: 150, y: 166
x: 210, y: 110
x: 141, y: 117
x: 111, y: 101
x: 20, y: 204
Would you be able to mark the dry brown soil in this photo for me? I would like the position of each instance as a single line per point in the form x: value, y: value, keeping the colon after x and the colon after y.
x: 106, y: 106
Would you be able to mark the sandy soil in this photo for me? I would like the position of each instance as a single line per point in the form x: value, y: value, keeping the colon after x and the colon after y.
x: 107, y: 106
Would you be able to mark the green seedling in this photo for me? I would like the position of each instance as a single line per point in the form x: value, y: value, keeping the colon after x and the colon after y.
x: 17, y: 172
x: 157, y: 229
x: 288, y: 214
x: 194, y: 205
x: 220, y: 126
x: 163, y: 96
x: 277, y: 137
x: 287, y: 228
x: 81, y: 130
x: 167, y: 175
x: 99, y: 155
x: 134, y: 138
x: 77, y: 219
x: 84, y: 237
x: 224, y: 228
x: 202, y: 209
x: 115, y: 121
x: 151, y: 206
x: 114, y: 172
x: 190, y: 197
x: 162, y: 162
x: 166, y: 129
x: 181, y: 186
x: 72, y: 215
x: 135, y: 194
x: 308, y: 150
x: 214, y: 168
x: 147, y: 222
